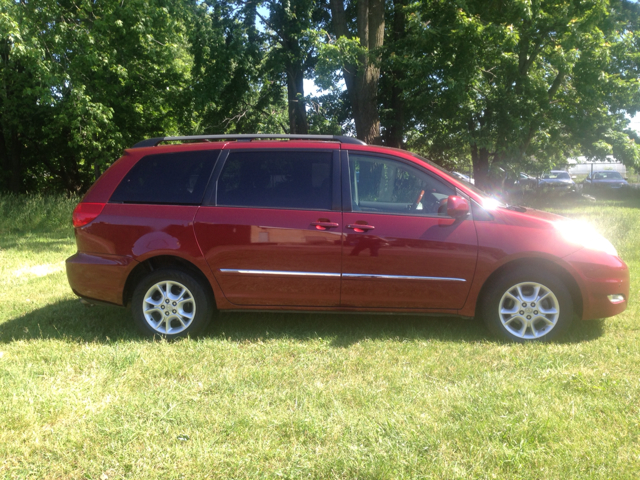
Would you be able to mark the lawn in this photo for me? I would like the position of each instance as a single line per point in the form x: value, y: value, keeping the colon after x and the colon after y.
x: 82, y: 395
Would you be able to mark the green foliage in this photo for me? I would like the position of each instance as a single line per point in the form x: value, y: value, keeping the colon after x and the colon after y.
x: 333, y: 55
x: 529, y: 82
x: 523, y: 84
x: 290, y: 54
x: 84, y: 80
x: 229, y: 91
x: 330, y: 114
x: 92, y: 78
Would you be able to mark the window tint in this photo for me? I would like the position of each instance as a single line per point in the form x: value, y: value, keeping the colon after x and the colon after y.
x: 276, y: 179
x: 389, y: 186
x: 607, y: 176
x: 170, y: 178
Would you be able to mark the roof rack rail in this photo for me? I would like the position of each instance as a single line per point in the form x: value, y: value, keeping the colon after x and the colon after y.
x: 153, y: 142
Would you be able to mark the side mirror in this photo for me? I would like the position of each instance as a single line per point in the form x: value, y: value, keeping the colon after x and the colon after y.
x: 457, y: 207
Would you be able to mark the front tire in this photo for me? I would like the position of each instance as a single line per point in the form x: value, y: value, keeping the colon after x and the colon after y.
x: 171, y: 304
x: 527, y: 305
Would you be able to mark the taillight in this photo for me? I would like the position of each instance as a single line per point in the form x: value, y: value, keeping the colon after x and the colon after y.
x: 86, y: 213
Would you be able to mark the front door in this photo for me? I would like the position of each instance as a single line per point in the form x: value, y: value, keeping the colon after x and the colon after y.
x: 273, y: 237
x: 401, y: 250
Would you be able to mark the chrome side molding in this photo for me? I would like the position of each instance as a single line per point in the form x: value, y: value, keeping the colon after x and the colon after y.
x: 280, y: 272
x: 401, y: 277
x: 331, y: 274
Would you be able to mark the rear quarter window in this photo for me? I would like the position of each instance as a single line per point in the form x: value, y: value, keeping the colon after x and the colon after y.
x: 168, y: 178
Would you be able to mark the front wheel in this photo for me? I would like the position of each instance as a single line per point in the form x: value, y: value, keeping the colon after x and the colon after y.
x: 526, y: 305
x: 171, y: 304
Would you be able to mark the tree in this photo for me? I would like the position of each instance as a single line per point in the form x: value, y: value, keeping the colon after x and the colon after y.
x: 290, y: 24
x: 357, y: 49
x: 524, y: 81
x: 499, y: 82
x: 233, y: 90
x: 24, y: 96
x: 392, y: 76
x: 82, y: 80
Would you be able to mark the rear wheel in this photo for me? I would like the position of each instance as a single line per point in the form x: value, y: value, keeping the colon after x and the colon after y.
x: 528, y: 305
x: 171, y: 304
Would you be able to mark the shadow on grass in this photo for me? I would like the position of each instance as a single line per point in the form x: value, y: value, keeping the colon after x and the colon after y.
x: 71, y: 321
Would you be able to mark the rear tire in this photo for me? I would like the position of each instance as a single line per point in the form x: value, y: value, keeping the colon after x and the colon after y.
x: 526, y: 305
x: 171, y: 303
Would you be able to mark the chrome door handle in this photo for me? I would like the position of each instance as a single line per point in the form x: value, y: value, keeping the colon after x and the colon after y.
x: 360, y: 227
x: 324, y: 225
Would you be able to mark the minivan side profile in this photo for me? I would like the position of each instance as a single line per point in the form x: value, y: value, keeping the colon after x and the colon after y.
x: 327, y: 223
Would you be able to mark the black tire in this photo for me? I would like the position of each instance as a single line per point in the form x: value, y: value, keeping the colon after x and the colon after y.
x: 528, y: 319
x: 175, y: 318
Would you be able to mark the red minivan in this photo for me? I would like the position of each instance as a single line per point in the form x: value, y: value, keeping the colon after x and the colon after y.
x: 327, y: 223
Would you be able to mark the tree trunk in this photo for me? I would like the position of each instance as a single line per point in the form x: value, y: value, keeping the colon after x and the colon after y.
x: 10, y: 151
x: 4, y: 164
x: 16, y: 170
x: 480, y: 159
x: 11, y: 157
x: 295, y: 97
x: 362, y: 80
x: 284, y: 20
x: 394, y: 130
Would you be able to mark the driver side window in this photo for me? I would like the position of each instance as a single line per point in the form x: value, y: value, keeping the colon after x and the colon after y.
x: 388, y: 186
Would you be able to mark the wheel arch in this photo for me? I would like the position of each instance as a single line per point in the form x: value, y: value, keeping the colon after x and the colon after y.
x: 537, y: 263
x: 157, y: 263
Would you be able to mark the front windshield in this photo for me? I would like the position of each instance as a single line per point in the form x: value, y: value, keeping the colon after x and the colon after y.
x: 608, y: 176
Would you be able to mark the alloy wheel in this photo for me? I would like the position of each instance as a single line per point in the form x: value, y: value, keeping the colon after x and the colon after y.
x: 529, y: 310
x: 168, y: 307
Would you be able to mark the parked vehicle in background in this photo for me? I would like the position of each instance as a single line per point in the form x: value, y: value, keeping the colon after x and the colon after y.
x: 526, y: 181
x: 326, y: 223
x: 462, y: 176
x: 608, y: 180
x: 557, y: 180
x: 515, y: 185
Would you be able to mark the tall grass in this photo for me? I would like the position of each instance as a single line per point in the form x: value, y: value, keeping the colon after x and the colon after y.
x: 45, y: 214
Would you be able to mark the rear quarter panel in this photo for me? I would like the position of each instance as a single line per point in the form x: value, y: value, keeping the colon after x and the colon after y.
x: 140, y: 232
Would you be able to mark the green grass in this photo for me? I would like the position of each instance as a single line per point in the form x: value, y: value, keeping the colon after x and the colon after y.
x: 303, y: 396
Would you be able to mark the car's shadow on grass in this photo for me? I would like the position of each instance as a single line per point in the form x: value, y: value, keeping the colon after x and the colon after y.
x: 69, y: 320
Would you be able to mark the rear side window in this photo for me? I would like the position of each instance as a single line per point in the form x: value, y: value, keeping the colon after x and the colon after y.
x: 276, y: 179
x: 169, y: 178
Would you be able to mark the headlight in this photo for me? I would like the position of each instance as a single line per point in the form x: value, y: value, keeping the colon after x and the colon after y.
x: 491, y: 203
x: 583, y: 234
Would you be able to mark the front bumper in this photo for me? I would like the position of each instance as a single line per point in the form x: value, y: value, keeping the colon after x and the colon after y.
x: 99, y: 277
x: 602, y: 279
x: 610, y: 186
x: 558, y: 186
